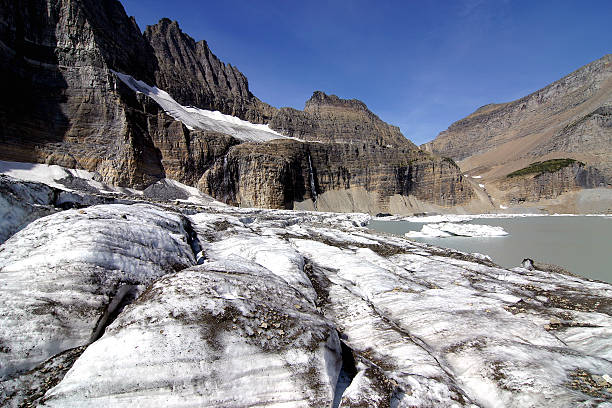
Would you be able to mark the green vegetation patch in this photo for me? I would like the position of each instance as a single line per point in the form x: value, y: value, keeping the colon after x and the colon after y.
x: 548, y: 166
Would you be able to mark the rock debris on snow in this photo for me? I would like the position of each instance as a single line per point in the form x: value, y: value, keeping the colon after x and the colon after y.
x: 278, y: 302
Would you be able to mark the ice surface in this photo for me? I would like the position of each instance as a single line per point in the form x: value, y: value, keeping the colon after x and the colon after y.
x: 21, y: 203
x: 220, y: 334
x: 42, y: 173
x: 449, y: 229
x: 57, y: 176
x: 60, y: 272
x: 63, y: 179
x: 195, y: 118
x: 258, y: 322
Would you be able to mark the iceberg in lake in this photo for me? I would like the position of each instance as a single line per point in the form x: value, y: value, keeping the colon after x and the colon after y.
x: 450, y: 229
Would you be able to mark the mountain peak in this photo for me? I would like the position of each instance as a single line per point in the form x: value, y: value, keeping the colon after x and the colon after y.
x: 320, y: 98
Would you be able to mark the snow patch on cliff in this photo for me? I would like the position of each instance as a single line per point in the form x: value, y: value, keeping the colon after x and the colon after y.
x: 195, y: 118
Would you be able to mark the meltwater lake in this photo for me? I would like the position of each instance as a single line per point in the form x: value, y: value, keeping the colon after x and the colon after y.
x: 580, y: 244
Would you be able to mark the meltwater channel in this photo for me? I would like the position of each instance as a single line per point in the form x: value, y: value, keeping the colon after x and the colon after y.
x: 580, y: 244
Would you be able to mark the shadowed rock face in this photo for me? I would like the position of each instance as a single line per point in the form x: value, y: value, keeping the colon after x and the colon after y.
x: 65, y: 106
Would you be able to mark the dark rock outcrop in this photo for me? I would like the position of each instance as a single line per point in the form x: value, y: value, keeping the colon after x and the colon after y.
x: 62, y: 105
x: 278, y: 173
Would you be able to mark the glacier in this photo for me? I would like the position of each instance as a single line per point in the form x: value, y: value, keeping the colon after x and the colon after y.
x: 146, y: 300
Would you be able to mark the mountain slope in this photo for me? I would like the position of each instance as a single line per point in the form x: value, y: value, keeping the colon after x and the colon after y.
x: 570, y: 118
x: 193, y: 75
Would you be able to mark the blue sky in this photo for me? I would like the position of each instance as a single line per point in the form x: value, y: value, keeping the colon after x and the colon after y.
x: 417, y: 64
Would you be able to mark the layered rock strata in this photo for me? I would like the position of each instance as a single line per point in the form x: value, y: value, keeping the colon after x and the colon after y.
x: 281, y: 172
x: 63, y: 105
x: 569, y: 118
x: 549, y: 185
x: 66, y: 105
x: 327, y: 118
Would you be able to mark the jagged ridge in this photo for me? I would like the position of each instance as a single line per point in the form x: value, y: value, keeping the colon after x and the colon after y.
x: 78, y: 114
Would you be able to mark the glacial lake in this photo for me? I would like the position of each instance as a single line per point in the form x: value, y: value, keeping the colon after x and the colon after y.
x: 580, y: 244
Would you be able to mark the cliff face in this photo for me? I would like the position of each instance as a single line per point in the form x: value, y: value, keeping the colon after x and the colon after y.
x: 281, y: 172
x: 65, y: 105
x: 571, y: 118
x: 327, y: 118
x: 193, y: 75
x: 549, y: 185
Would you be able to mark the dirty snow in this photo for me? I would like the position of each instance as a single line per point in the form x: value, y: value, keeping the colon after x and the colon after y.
x: 59, y: 273
x: 259, y: 320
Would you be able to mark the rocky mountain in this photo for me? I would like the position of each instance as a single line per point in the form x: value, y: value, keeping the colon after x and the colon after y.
x: 72, y: 69
x: 193, y: 75
x: 62, y: 105
x: 327, y: 118
x: 134, y: 300
x: 570, y: 118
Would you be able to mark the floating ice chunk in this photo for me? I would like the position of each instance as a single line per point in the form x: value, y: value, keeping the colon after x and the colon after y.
x: 434, y: 219
x: 428, y: 231
x: 448, y: 229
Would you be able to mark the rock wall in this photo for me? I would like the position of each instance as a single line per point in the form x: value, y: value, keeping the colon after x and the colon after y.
x: 282, y: 172
x: 62, y: 105
x: 551, y: 185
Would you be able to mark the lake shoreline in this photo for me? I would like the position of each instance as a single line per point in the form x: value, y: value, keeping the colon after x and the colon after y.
x: 577, y: 243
